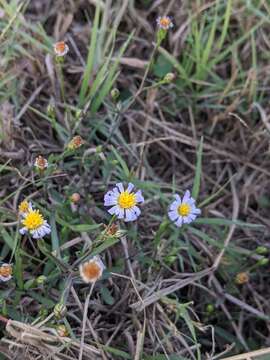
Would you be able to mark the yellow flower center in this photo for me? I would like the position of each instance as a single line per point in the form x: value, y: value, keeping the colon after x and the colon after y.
x: 126, y: 200
x: 33, y: 220
x: 184, y: 209
x: 23, y: 207
x: 165, y: 21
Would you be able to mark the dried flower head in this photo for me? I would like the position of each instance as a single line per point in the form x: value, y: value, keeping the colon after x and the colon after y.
x: 24, y: 207
x: 92, y: 270
x: 168, y: 78
x: 34, y: 223
x: 183, y: 211
x: 165, y: 22
x: 75, y: 143
x: 75, y: 198
x: 113, y: 231
x: 41, y: 163
x: 242, y: 278
x: 124, y: 202
x: 60, y: 48
x: 5, y: 272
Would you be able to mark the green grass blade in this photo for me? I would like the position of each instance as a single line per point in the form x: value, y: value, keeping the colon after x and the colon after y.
x: 227, y: 17
x: 90, y: 58
x: 198, y: 172
x: 106, y: 87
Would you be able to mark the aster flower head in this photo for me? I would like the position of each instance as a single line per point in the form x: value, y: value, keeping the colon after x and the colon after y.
x: 24, y: 207
x: 5, y: 272
x: 41, y: 163
x: 35, y: 224
x: 183, y: 211
x: 124, y: 202
x: 92, y: 270
x: 60, y: 48
x: 165, y: 22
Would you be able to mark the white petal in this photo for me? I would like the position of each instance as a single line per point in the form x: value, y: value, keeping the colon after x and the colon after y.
x: 47, y: 228
x: 191, y: 217
x: 35, y: 234
x: 177, y: 198
x: 114, y: 210
x: 130, y: 215
x: 137, y: 211
x: 186, y: 196
x: 179, y: 222
x: 5, y: 278
x: 175, y: 205
x: 121, y: 214
x: 139, y: 197
x: 23, y: 230
x: 186, y: 220
x: 173, y: 215
x: 191, y: 201
x: 110, y: 198
x: 130, y: 187
x: 120, y: 187
x: 195, y: 210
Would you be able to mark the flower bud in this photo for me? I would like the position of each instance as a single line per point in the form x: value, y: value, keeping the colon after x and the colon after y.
x: 40, y: 280
x: 43, y: 312
x: 60, y: 311
x: 62, y: 330
x: 78, y: 114
x: 75, y: 198
x: 115, y: 93
x: 261, y: 250
x: 168, y: 78
x: 241, y: 278
x: 210, y: 308
x: 263, y: 261
x: 51, y: 110
x: 98, y: 149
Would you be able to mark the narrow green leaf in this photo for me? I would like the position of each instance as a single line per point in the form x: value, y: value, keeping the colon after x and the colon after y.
x: 198, y: 173
x: 90, y: 58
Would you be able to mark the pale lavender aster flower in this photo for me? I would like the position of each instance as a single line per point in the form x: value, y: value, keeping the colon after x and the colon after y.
x: 183, y: 211
x: 123, y: 202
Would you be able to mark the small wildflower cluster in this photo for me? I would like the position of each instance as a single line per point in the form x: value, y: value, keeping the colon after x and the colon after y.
x: 123, y: 203
x: 33, y: 221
